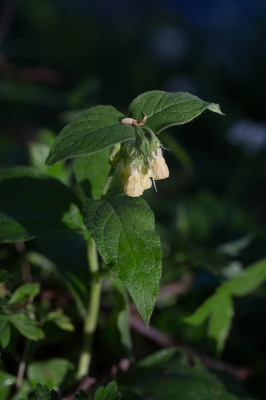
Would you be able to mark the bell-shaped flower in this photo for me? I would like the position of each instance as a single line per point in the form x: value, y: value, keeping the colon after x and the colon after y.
x: 158, y: 165
x: 134, y: 180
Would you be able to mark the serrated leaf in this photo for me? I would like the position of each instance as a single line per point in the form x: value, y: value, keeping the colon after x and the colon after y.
x: 82, y: 395
x: 50, y: 373
x: 93, y: 130
x: 23, y: 292
x: 26, y: 326
x: 165, y: 109
x: 251, y: 278
x: 91, y: 172
x: 123, y: 229
x: 4, y: 275
x: 42, y: 392
x: 108, y: 393
x: 168, y: 375
x: 32, y: 204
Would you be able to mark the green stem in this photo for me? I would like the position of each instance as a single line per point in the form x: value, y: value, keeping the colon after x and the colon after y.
x: 108, y: 181
x: 92, y: 312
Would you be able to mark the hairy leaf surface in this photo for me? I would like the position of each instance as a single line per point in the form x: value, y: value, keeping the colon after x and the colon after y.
x: 165, y: 109
x: 93, y: 130
x: 123, y: 229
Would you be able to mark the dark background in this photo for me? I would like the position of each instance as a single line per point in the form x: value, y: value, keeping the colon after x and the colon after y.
x: 63, y: 56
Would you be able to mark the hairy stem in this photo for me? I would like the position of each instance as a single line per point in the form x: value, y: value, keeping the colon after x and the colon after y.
x: 92, y: 312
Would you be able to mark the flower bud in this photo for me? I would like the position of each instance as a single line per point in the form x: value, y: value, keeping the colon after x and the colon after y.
x: 115, y: 155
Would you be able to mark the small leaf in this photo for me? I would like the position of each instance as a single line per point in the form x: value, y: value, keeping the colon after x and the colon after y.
x: 5, y: 335
x: 108, y: 393
x: 42, y: 392
x: 60, y: 319
x: 201, y: 313
x: 4, y: 275
x: 26, y: 326
x: 50, y: 372
x: 83, y: 395
x: 91, y: 172
x: 123, y: 229
x: 32, y: 204
x: 165, y: 109
x: 252, y: 277
x: 221, y: 318
x: 93, y: 130
x: 23, y: 292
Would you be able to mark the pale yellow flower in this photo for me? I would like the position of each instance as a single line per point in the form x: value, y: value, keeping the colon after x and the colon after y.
x: 133, y: 181
x: 159, y: 166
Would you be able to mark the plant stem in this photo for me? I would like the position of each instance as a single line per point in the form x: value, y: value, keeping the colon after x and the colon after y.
x: 108, y: 181
x: 22, y: 364
x: 92, y: 312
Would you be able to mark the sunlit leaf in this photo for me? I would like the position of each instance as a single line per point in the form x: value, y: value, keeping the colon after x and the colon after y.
x: 165, y: 109
x: 95, y: 129
x: 123, y: 229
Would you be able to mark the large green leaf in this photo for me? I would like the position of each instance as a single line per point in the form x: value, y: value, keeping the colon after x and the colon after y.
x: 50, y: 373
x: 93, y: 130
x: 165, y: 109
x: 34, y: 205
x: 91, y: 172
x: 123, y: 229
x: 168, y: 375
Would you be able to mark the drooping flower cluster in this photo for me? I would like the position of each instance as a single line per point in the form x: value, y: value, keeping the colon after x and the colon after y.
x: 141, y: 160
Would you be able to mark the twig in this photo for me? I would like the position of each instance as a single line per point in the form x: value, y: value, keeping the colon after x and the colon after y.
x: 164, y: 340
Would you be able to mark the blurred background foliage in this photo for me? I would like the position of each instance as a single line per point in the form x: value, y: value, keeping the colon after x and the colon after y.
x: 59, y: 57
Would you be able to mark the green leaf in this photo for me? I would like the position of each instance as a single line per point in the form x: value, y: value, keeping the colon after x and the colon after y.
x: 4, y: 333
x: 93, y: 130
x: 83, y: 395
x: 43, y: 393
x: 50, y: 373
x: 60, y: 319
x: 4, y: 275
x: 249, y: 280
x: 168, y: 375
x: 221, y: 318
x: 165, y: 109
x: 23, y: 292
x: 201, y: 313
x: 108, y: 393
x: 26, y: 326
x: 91, y: 172
x: 6, y: 382
x: 33, y: 205
x: 23, y: 392
x: 123, y: 229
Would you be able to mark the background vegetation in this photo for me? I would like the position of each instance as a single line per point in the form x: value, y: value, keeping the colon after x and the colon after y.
x: 61, y: 57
